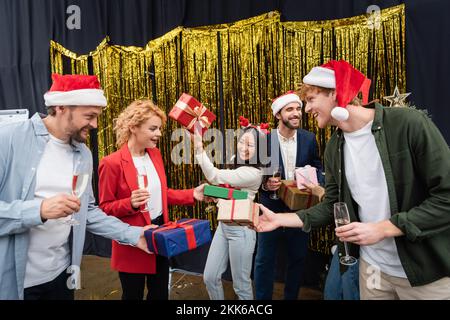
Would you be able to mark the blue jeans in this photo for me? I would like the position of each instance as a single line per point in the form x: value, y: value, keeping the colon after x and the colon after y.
x: 296, y: 242
x: 236, y: 244
x: 341, y: 286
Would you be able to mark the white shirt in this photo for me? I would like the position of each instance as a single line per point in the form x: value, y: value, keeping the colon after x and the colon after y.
x: 48, y: 251
x: 366, y: 179
x: 288, y: 148
x: 247, y: 178
x: 154, y: 185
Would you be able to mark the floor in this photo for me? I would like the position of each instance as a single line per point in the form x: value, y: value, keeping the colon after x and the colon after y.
x: 99, y: 282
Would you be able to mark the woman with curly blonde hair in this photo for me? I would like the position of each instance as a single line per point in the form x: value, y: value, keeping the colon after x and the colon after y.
x: 138, y: 130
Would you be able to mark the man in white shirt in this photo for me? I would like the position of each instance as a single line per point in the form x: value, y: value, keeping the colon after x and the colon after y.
x: 41, y: 253
x: 391, y: 167
x: 292, y: 147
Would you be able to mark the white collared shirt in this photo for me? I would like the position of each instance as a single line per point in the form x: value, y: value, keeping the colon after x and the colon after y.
x: 288, y: 148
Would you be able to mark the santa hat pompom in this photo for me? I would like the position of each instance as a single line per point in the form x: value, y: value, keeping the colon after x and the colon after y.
x: 345, y: 79
x: 339, y: 113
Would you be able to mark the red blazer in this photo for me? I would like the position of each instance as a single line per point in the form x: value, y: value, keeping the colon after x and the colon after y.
x: 117, y: 179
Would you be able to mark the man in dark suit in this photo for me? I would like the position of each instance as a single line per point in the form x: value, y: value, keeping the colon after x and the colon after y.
x: 290, y: 147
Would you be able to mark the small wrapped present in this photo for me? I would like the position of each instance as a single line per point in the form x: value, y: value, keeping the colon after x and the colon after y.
x: 306, y: 174
x: 224, y: 192
x: 189, y: 112
x: 294, y: 198
x: 174, y: 238
x: 238, y: 212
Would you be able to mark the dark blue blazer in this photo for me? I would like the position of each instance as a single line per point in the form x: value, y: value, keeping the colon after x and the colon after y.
x: 307, y: 153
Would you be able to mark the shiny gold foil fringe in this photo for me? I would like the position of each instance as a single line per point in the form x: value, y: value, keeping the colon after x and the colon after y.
x: 261, y: 57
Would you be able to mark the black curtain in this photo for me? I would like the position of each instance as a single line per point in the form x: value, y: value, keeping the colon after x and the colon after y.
x: 27, y: 26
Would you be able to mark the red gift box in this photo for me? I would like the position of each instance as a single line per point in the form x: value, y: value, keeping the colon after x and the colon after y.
x: 188, y: 112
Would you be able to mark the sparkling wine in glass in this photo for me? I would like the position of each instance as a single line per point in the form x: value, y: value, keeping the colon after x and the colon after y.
x: 341, y: 218
x: 277, y: 175
x: 79, y: 184
x: 142, y: 181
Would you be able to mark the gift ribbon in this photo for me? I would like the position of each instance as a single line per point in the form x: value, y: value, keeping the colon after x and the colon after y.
x: 197, y: 113
x: 228, y: 186
x: 292, y: 185
x: 233, y: 202
x: 309, y: 199
x: 188, y: 228
x: 230, y: 190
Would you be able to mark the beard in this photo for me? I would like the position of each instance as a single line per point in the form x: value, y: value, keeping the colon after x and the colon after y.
x: 76, y: 135
x: 290, y: 126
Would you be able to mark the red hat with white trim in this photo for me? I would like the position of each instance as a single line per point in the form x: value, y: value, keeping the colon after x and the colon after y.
x: 343, y: 77
x: 75, y: 90
x: 283, y: 100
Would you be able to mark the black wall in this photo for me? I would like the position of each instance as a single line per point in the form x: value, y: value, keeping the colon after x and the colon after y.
x: 27, y: 26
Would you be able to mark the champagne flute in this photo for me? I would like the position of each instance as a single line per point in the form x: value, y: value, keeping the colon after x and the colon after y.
x: 341, y: 218
x: 79, y: 184
x: 277, y: 175
x: 142, y: 181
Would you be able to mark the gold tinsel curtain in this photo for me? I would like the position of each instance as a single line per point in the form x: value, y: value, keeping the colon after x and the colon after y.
x: 247, y: 63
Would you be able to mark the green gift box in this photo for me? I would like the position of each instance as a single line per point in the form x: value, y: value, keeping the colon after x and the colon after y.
x: 224, y: 193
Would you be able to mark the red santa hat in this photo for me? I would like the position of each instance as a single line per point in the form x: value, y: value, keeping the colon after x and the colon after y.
x: 75, y: 90
x: 283, y: 100
x: 343, y: 77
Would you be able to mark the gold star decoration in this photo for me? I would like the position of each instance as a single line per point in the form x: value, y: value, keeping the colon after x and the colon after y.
x: 397, y: 99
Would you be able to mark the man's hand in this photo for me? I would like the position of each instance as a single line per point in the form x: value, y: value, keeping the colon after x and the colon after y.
x: 139, y: 197
x: 273, y: 184
x: 365, y: 234
x: 142, y: 242
x: 267, y: 221
x: 59, y: 206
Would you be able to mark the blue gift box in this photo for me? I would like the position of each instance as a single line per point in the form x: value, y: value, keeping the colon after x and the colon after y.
x: 174, y: 238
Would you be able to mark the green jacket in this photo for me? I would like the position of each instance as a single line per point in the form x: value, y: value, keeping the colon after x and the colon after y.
x: 416, y: 162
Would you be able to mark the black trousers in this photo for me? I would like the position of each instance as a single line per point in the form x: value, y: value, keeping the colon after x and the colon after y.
x: 54, y: 290
x: 133, y: 284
